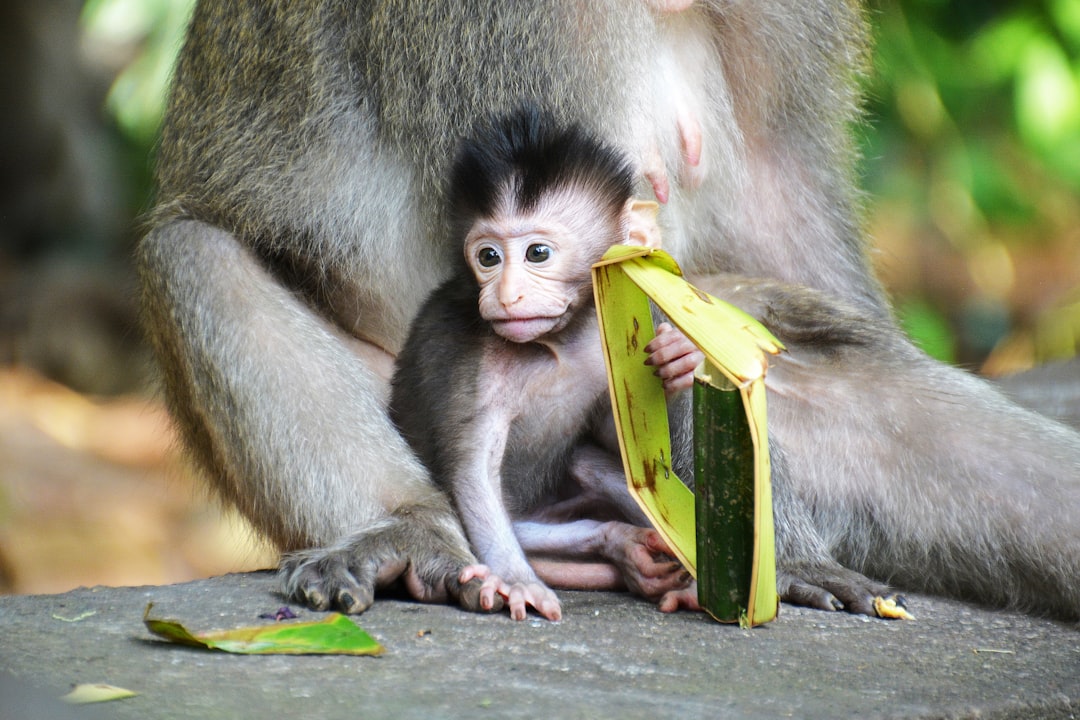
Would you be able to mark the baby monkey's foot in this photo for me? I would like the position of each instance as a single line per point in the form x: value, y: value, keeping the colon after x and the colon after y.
x: 647, y: 566
x: 519, y: 595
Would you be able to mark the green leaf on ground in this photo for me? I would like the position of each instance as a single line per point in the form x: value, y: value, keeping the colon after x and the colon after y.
x: 95, y: 693
x: 336, y: 634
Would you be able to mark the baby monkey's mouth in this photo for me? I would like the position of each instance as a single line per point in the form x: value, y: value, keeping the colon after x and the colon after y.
x: 523, y: 330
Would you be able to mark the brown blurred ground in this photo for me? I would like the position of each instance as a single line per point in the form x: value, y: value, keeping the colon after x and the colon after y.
x: 95, y: 492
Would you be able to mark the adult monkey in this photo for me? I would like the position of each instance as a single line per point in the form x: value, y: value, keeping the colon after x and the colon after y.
x: 298, y: 229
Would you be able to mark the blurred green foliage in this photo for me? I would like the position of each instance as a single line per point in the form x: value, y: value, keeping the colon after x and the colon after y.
x: 975, y: 115
x: 987, y: 94
x: 972, y: 151
x: 149, y: 33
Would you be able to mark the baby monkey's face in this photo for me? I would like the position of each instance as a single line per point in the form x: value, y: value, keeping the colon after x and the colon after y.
x: 534, y: 268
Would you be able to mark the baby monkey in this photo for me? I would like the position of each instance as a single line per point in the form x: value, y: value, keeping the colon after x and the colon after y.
x: 501, y: 388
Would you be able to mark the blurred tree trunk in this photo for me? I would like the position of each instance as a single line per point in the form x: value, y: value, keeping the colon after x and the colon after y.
x: 66, y: 301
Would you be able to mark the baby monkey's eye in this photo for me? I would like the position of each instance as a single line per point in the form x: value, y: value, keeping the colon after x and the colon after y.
x: 537, y: 253
x: 488, y: 257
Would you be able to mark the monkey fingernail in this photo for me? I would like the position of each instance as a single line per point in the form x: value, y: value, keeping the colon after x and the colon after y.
x: 346, y: 603
x: 316, y: 599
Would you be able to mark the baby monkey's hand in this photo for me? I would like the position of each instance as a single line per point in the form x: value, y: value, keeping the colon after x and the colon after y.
x: 674, y: 357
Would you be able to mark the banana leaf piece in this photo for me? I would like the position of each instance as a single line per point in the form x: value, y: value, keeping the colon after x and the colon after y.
x: 641, y: 411
x: 736, y: 347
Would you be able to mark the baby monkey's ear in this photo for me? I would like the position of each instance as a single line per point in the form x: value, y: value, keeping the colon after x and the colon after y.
x: 640, y: 222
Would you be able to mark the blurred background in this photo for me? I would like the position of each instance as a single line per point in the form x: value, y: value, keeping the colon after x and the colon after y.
x: 972, y: 179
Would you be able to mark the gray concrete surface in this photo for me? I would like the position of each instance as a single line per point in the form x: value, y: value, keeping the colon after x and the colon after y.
x: 612, y: 656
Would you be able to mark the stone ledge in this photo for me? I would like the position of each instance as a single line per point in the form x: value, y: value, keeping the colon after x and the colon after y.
x: 612, y: 656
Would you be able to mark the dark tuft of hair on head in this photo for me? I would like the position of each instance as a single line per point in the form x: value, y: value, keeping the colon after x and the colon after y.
x: 533, y: 154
